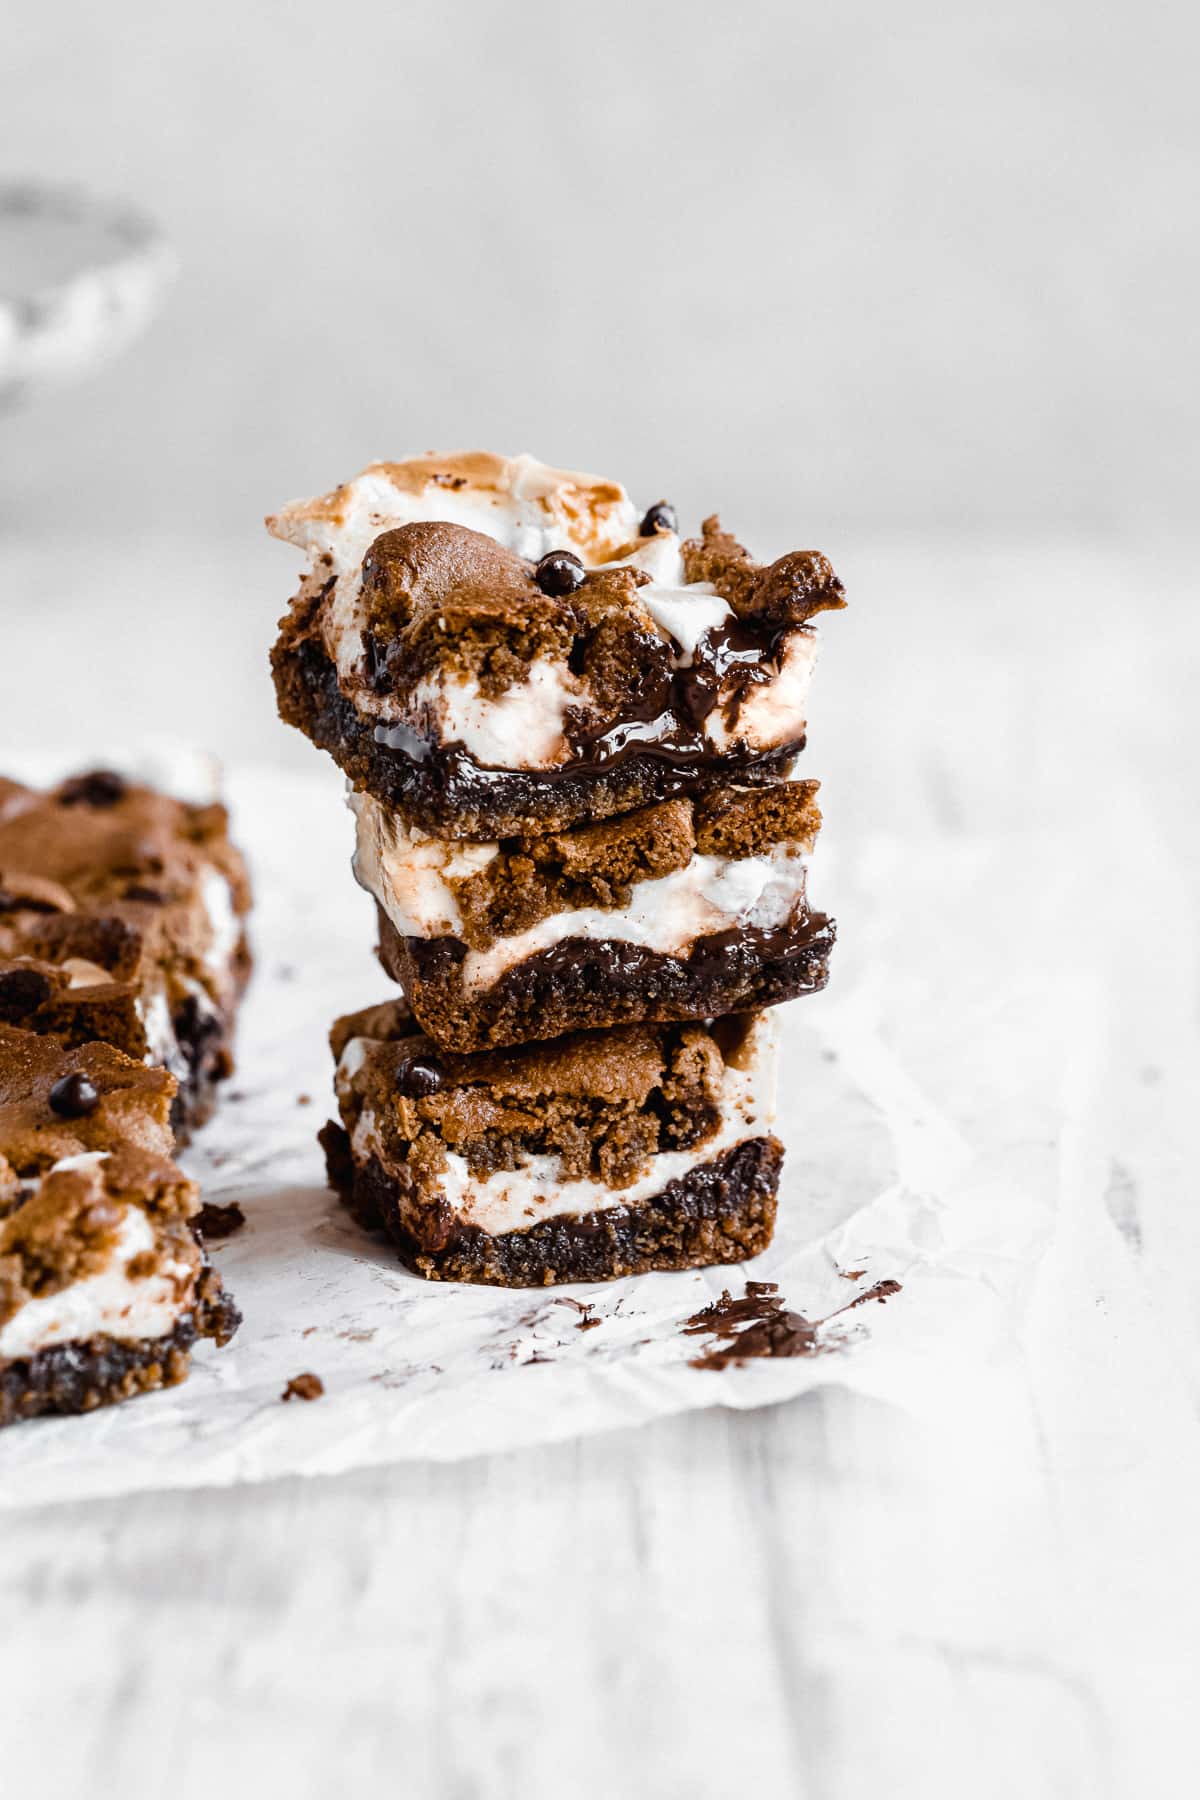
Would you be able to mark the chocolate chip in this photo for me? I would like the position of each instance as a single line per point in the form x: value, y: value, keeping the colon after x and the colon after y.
x: 73, y: 1097
x: 137, y: 890
x: 559, y: 572
x: 99, y: 787
x: 418, y: 1078
x: 659, y: 517
x: 22, y: 991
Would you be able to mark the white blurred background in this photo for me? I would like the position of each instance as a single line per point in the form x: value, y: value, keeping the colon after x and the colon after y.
x: 915, y: 284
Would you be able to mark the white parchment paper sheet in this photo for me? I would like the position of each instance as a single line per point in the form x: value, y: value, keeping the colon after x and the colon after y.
x: 927, y: 1104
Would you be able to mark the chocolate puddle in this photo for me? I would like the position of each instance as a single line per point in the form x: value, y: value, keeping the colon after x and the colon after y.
x: 760, y: 1324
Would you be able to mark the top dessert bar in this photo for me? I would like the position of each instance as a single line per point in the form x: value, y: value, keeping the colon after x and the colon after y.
x: 488, y: 646
x: 121, y: 918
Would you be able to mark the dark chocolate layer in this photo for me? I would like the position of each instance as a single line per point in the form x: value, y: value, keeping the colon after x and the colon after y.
x: 443, y: 790
x: 88, y: 1373
x: 720, y: 1212
x: 584, y: 984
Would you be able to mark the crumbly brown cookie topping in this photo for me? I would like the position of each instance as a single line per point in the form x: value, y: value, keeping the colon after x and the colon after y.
x: 789, y: 591
x: 105, y: 914
x: 603, y: 1103
x: 533, y: 877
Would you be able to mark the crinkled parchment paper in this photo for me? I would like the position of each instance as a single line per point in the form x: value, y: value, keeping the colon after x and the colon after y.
x: 922, y: 1103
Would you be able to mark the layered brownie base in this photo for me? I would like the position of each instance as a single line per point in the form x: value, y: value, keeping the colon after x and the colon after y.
x: 104, y: 1282
x: 588, y: 983
x: 599, y: 1155
x: 488, y: 645
x: 87, y: 1373
x: 122, y: 918
x: 722, y: 1211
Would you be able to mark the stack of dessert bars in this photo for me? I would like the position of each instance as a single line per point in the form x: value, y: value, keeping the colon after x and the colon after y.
x: 569, y: 738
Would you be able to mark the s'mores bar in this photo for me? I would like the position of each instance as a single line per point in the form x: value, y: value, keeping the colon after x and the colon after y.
x: 688, y: 909
x: 570, y: 735
x: 122, y: 917
x: 599, y: 1154
x: 490, y: 647
x: 104, y: 1283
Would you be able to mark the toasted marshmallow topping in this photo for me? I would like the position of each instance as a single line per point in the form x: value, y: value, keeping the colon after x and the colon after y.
x: 524, y: 504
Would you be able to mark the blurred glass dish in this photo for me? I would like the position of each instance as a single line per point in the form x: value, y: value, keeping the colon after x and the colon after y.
x: 79, y: 279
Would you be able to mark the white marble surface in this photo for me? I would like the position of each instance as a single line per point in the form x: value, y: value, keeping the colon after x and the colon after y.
x: 840, y: 1596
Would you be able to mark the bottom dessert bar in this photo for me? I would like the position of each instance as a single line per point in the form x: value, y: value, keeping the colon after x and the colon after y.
x: 104, y: 1281
x: 597, y: 1155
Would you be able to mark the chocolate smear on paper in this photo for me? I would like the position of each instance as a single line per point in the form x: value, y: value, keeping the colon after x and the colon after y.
x: 760, y: 1324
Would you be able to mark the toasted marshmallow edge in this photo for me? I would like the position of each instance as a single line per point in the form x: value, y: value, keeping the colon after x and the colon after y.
x: 515, y: 1199
x: 409, y: 874
x: 110, y: 1303
x: 530, y: 508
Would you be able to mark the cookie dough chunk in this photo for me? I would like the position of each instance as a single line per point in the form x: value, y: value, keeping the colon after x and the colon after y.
x: 122, y: 917
x: 488, y: 645
x: 104, y: 1283
x: 689, y: 909
x: 602, y: 1154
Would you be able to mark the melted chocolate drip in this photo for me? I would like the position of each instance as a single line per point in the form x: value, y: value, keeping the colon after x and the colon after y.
x: 665, y: 715
x: 429, y: 783
x: 734, y: 648
x: 760, y: 1324
x: 711, y: 959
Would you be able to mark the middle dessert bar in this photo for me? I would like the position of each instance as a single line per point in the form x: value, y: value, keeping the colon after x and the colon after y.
x: 687, y: 910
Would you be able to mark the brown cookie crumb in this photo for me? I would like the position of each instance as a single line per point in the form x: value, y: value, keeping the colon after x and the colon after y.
x: 214, y: 1221
x: 303, y: 1387
x: 789, y: 591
